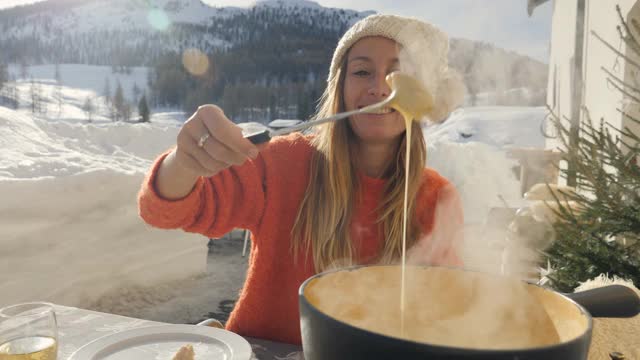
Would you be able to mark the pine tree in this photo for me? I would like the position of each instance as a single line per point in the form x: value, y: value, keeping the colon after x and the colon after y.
x: 273, y: 110
x: 126, y: 111
x: 118, y: 102
x: 4, y: 75
x: 14, y: 93
x: 149, y: 78
x: 57, y: 73
x: 143, y: 109
x: 24, y: 69
x: 33, y: 92
x: 58, y: 88
x: 88, y: 108
x: 41, y: 106
x: 598, y: 227
x: 136, y: 92
x: 106, y: 92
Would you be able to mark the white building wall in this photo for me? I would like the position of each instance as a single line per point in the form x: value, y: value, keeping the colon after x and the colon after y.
x: 561, y: 63
x: 600, y: 98
x: 632, y: 76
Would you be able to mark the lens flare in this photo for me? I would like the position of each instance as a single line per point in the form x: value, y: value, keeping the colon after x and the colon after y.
x: 195, y: 62
x: 158, y: 19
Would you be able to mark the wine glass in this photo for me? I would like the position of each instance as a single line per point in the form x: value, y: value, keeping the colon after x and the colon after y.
x: 28, y: 332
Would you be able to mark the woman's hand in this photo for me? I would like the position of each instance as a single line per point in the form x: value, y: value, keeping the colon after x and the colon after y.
x: 207, y: 143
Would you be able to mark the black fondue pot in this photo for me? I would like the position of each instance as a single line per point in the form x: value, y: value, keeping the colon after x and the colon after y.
x: 326, y: 338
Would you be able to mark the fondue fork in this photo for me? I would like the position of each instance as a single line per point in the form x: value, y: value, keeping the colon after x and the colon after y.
x: 407, y: 96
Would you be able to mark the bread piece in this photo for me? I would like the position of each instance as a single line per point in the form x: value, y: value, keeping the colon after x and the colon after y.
x: 185, y: 353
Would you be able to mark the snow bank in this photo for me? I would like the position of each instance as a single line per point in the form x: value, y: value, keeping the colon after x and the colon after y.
x: 470, y: 150
x: 69, y: 229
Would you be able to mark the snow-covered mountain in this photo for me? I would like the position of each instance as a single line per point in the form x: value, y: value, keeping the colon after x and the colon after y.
x: 96, y: 15
x: 140, y: 30
x: 106, y: 15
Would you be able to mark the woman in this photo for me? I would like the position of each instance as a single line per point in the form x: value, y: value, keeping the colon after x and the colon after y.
x: 314, y: 202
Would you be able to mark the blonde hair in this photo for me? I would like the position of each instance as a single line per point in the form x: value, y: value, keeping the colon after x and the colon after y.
x: 323, y: 223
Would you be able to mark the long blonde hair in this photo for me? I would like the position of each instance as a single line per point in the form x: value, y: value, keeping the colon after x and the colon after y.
x: 322, y: 225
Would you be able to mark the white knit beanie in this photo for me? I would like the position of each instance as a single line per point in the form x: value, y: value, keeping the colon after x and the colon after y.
x: 424, y: 54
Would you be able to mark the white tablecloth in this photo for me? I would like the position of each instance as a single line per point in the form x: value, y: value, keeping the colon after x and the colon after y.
x: 77, y: 327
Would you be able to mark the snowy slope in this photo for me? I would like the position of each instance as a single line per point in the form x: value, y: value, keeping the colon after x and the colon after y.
x: 34, y: 149
x: 69, y: 190
x: 68, y: 211
x: 78, y: 83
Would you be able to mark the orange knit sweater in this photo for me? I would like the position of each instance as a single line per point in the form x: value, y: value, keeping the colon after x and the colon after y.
x: 263, y: 196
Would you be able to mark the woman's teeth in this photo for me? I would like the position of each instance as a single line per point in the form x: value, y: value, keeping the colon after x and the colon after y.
x: 382, y: 111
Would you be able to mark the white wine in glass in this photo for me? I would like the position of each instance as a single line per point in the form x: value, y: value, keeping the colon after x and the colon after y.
x: 28, y: 332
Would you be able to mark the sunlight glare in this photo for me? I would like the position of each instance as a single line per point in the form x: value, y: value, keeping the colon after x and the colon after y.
x: 158, y: 19
x: 195, y: 62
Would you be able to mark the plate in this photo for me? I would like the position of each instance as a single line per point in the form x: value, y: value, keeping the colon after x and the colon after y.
x: 162, y: 342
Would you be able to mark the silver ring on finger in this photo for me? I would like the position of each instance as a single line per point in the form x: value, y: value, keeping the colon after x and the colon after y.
x: 203, y: 139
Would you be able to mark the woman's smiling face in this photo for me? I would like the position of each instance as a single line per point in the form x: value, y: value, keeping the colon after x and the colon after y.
x: 369, y: 61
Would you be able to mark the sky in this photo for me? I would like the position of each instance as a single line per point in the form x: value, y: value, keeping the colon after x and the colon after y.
x: 504, y: 23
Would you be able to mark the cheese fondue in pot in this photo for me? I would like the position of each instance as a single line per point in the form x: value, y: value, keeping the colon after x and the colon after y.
x: 447, y: 307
